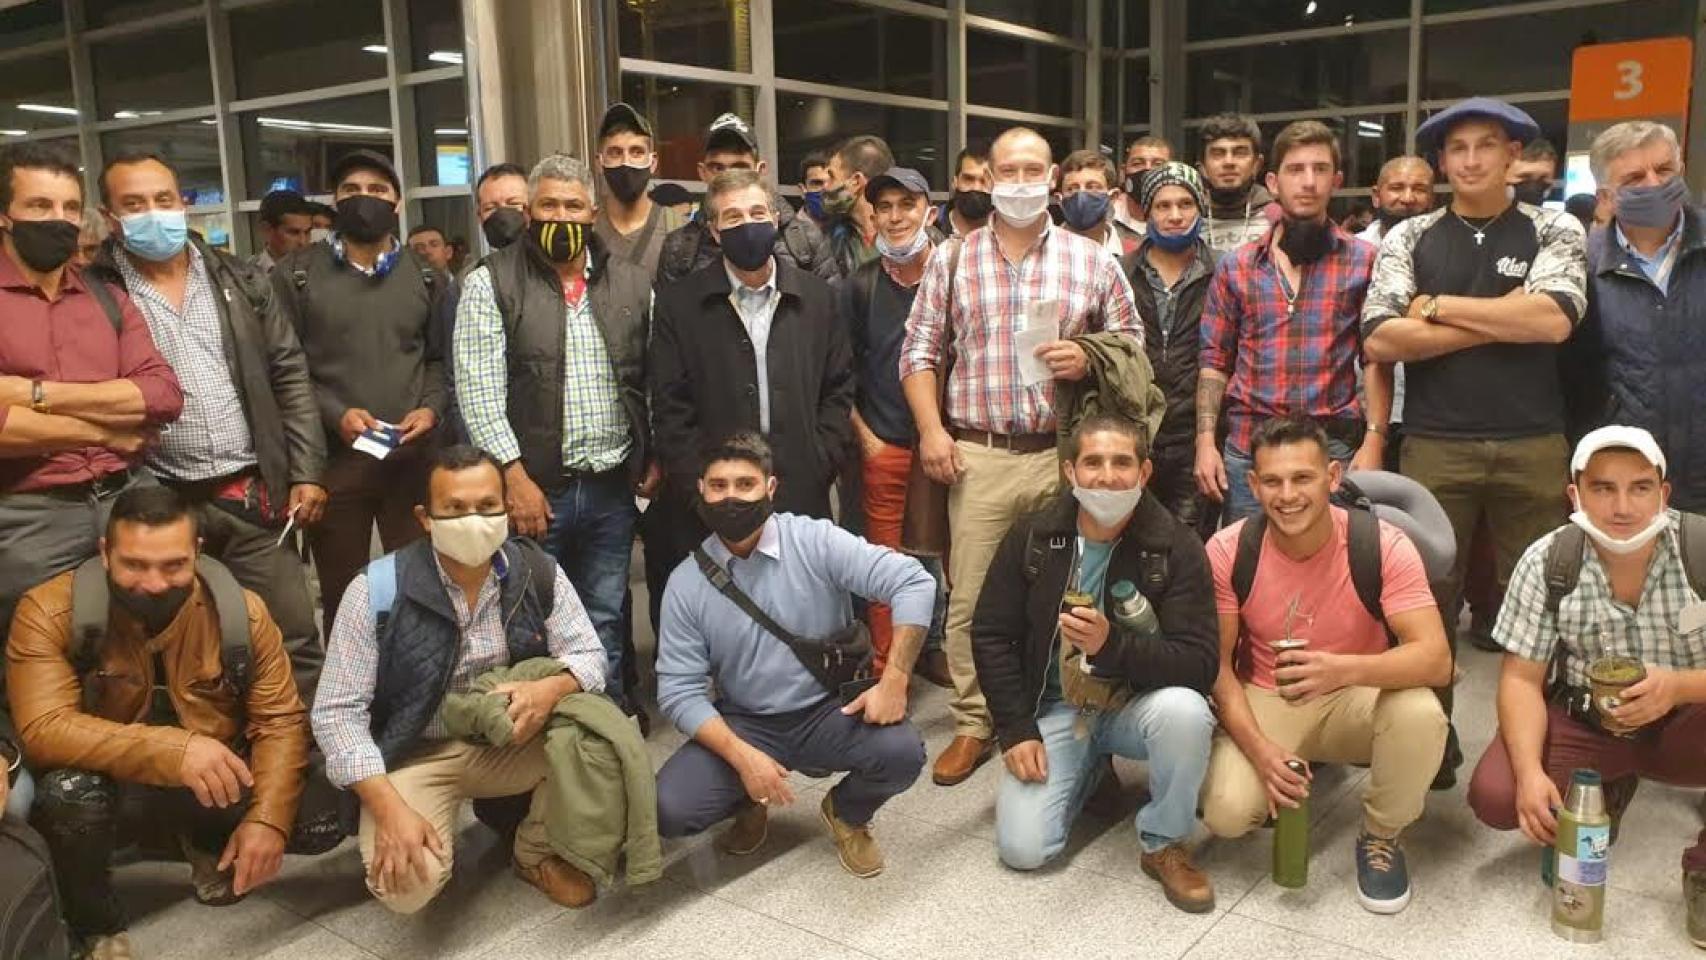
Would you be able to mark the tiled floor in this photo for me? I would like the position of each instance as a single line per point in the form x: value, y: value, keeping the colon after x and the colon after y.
x: 1477, y: 893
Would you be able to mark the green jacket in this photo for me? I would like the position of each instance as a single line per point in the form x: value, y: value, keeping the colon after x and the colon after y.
x: 601, y: 797
x: 1120, y: 380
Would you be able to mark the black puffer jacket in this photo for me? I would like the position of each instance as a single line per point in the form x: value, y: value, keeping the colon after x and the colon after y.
x: 1014, y: 630
x: 1174, y: 353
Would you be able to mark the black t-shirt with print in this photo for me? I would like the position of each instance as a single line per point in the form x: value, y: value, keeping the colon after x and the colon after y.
x: 1494, y: 391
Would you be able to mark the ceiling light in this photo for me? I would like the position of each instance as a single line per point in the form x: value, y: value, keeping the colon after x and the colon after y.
x: 1309, y: 11
x: 1371, y: 134
x: 48, y: 108
x: 135, y: 114
x: 445, y: 56
x: 13, y: 133
x: 449, y: 132
x: 1371, y: 125
x: 288, y: 124
x: 378, y: 48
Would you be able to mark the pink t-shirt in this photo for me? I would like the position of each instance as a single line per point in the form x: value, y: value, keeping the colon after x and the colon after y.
x: 1329, y: 615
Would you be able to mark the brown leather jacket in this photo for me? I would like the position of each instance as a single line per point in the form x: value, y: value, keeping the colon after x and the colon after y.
x: 47, y: 698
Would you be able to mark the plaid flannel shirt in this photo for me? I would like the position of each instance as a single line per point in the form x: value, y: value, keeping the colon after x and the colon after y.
x: 985, y: 391
x: 1281, y: 359
x: 1592, y: 623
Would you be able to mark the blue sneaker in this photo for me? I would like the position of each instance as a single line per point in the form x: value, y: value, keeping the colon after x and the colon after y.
x: 1383, y: 879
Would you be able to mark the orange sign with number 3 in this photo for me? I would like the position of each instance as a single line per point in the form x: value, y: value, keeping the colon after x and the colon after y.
x: 1618, y: 81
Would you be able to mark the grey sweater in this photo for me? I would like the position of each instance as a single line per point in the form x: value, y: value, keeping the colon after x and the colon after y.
x: 370, y: 341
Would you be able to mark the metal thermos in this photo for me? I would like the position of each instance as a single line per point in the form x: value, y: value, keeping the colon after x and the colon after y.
x: 1132, y: 610
x: 1583, y: 853
x: 1291, y: 840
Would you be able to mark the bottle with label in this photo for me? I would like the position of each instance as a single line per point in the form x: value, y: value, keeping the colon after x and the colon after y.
x: 1583, y: 854
x: 1133, y: 611
x: 1291, y: 840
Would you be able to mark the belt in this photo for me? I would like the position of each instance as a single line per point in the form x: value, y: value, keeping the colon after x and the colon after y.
x: 576, y: 474
x: 205, y: 489
x: 1016, y: 443
x: 100, y: 488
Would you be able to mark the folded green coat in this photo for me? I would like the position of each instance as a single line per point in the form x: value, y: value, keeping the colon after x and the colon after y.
x: 1120, y: 380
x: 601, y: 797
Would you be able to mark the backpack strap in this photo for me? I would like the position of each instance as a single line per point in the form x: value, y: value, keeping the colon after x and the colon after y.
x: 89, y: 602
x: 381, y: 590
x: 1362, y: 537
x: 1036, y: 552
x: 1692, y: 537
x: 103, y: 295
x: 1563, y: 568
x: 1248, y: 556
x: 235, y: 651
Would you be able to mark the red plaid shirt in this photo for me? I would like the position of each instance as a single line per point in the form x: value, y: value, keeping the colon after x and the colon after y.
x: 985, y: 391
x: 1278, y: 361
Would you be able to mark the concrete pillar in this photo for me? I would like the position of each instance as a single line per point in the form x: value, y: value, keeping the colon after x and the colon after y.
x: 540, y: 74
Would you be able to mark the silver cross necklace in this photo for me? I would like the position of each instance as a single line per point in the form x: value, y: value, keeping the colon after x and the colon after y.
x: 1481, y: 231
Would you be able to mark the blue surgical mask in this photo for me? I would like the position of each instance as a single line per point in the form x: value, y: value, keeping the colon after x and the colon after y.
x: 155, y: 234
x: 903, y: 254
x: 1085, y: 210
x: 1175, y: 242
x: 814, y: 204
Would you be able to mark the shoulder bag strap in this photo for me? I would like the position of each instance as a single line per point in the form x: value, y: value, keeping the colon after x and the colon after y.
x: 811, y: 656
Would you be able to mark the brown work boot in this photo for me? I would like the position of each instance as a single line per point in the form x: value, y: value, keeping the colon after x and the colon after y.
x: 932, y: 665
x: 1694, y: 898
x: 961, y: 759
x: 112, y: 946
x: 1186, y: 887
x: 559, y: 881
x: 213, y: 887
x: 859, y: 853
x: 746, y: 834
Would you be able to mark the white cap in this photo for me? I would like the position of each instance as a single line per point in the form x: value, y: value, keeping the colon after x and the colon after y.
x: 1617, y: 438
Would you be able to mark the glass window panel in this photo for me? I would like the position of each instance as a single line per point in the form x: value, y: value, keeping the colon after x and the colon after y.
x: 895, y: 53
x: 190, y: 147
x: 1056, y: 16
x: 1365, y: 142
x: 1136, y: 24
x: 1474, y: 57
x: 1213, y: 21
x: 454, y: 217
x: 296, y: 146
x: 214, y: 226
x: 1061, y: 140
x: 918, y: 138
x: 304, y: 44
x: 21, y: 24
x: 103, y: 13
x: 1136, y: 91
x: 38, y: 94
x: 701, y: 33
x: 1005, y: 72
x: 680, y: 111
x: 1110, y: 92
x: 164, y: 70
x: 435, y: 34
x: 441, y: 118
x: 1300, y: 75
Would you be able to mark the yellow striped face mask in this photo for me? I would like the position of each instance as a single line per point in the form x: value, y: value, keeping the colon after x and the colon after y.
x: 560, y: 240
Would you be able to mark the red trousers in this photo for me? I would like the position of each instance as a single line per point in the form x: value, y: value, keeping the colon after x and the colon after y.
x: 885, y: 504
x: 1674, y: 753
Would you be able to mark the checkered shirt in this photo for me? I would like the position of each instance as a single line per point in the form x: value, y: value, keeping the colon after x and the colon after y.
x: 211, y: 438
x: 342, y: 717
x: 596, y: 433
x: 985, y: 391
x: 1591, y: 623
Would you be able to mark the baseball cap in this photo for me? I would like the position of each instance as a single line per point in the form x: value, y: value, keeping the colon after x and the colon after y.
x: 622, y: 115
x: 729, y: 131
x: 365, y: 160
x: 906, y: 178
x: 1517, y: 123
x: 1617, y: 438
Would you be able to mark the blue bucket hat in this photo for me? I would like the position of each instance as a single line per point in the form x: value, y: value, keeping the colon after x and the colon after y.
x: 1430, y: 136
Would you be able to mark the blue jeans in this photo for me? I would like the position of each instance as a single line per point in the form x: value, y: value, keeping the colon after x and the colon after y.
x: 1240, y: 500
x: 1171, y: 728
x: 592, y: 537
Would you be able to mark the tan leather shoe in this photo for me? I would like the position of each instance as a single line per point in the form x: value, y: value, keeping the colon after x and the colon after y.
x: 860, y: 855
x: 564, y: 884
x: 961, y: 759
x: 746, y: 834
x: 113, y: 947
x: 1186, y: 887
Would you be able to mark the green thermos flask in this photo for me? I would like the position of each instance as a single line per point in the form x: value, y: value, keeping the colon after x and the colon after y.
x: 1291, y: 841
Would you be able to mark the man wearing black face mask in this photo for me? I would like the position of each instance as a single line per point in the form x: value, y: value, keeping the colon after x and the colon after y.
x: 500, y: 198
x: 970, y: 202
x: 1295, y: 295
x: 130, y: 707
x: 772, y: 712
x: 1643, y: 344
x: 364, y: 307
x: 549, y: 353
x: 751, y: 342
x: 1240, y: 208
x: 630, y: 225
x: 78, y: 408
x: 1533, y: 173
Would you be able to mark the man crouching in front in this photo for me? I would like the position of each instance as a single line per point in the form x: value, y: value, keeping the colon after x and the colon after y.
x: 1094, y: 637
x: 426, y: 621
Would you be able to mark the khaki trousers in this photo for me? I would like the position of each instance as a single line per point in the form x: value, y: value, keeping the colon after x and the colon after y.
x: 1400, y: 734
x: 436, y: 780
x: 996, y: 489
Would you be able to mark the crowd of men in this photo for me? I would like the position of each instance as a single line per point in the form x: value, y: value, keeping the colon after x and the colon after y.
x: 873, y: 416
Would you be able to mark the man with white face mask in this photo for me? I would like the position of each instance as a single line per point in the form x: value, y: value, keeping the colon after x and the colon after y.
x: 1618, y: 580
x: 1069, y: 688
x: 426, y: 621
x: 993, y: 439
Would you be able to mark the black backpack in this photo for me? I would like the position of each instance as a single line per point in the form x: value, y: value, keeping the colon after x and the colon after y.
x: 1564, y: 555
x: 31, y: 924
x: 1362, y: 543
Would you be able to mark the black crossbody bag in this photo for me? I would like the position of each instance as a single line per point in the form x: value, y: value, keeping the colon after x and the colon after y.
x: 841, y: 661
